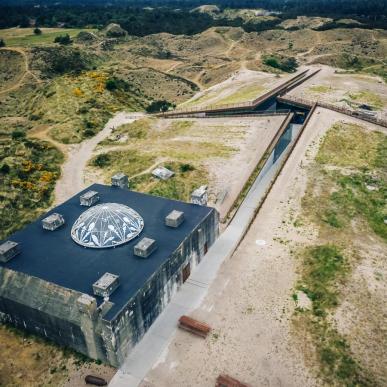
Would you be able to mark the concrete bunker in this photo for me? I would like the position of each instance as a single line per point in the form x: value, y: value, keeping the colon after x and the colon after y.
x: 103, y: 300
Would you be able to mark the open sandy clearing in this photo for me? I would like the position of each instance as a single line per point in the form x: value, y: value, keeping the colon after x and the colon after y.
x: 244, y: 85
x: 345, y: 90
x: 250, y: 306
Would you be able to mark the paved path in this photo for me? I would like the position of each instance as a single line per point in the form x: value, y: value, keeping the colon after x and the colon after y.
x: 72, y: 178
x: 148, y: 351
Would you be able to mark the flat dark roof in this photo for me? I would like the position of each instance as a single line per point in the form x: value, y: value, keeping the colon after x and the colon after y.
x: 54, y: 257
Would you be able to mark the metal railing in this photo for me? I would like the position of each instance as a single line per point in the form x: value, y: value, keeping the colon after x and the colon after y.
x: 232, y: 115
x: 241, y: 105
x: 353, y: 113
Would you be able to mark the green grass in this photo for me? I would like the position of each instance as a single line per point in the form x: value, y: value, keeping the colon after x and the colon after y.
x: 24, y: 37
x: 179, y: 187
x: 244, y: 94
x: 322, y: 267
x: 349, y: 159
x: 350, y: 145
x: 129, y: 162
x: 368, y: 98
x: 137, y: 130
x: 347, y: 196
x: 354, y: 200
x: 324, y: 270
x: 208, y: 95
x: 320, y: 89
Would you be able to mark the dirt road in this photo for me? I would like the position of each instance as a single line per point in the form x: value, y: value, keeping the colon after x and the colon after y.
x: 27, y: 71
x: 72, y: 178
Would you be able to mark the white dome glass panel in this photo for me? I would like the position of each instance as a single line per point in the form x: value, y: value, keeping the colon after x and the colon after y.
x: 107, y: 225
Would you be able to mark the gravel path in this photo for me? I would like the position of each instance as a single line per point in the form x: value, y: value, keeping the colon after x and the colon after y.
x: 72, y: 178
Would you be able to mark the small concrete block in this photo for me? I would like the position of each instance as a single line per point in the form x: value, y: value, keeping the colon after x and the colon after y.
x: 120, y: 180
x: 106, y: 285
x: 89, y: 198
x: 200, y: 196
x: 174, y: 219
x: 8, y: 250
x: 162, y: 173
x: 145, y: 247
x: 86, y: 303
x: 53, y: 221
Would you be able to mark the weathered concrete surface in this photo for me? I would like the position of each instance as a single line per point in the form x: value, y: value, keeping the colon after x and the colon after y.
x: 143, y: 357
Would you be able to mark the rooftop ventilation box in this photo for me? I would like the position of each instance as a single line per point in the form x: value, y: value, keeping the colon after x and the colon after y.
x: 8, y: 250
x: 53, y: 221
x: 200, y: 196
x: 174, y: 219
x: 89, y: 198
x: 120, y: 180
x: 106, y: 285
x: 145, y: 247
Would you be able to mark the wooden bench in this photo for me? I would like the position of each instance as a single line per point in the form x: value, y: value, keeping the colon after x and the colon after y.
x: 227, y: 381
x: 194, y: 326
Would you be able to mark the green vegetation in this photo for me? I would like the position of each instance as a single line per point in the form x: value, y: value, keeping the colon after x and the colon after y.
x: 244, y: 94
x: 159, y: 106
x: 131, y: 163
x: 78, y: 106
x: 25, y: 37
x: 368, y: 98
x: 359, y: 193
x: 349, y: 145
x: 325, y: 268
x: 137, y: 130
x: 63, y: 39
x: 28, y: 171
x: 179, y: 187
x: 321, y: 89
x: 360, y: 63
x: 347, y: 186
x: 286, y: 64
x: 54, y: 61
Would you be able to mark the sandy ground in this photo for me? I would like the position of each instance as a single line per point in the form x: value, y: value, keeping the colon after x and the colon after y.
x: 339, y: 86
x: 72, y: 179
x: 242, y: 79
x: 249, y: 306
x: 77, y: 375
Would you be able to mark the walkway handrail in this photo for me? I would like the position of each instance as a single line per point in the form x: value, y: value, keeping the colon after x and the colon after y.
x: 248, y: 104
x: 224, y: 114
x: 330, y: 106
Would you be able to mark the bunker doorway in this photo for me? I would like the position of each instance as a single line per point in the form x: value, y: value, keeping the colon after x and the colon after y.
x: 205, y: 248
x: 186, y: 272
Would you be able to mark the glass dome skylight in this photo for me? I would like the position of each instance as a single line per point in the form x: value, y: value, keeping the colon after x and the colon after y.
x: 107, y: 225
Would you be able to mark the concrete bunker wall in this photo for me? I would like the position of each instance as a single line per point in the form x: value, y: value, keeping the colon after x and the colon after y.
x: 41, y: 308
x: 127, y: 328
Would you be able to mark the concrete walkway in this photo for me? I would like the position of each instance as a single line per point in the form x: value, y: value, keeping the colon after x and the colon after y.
x: 143, y: 357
